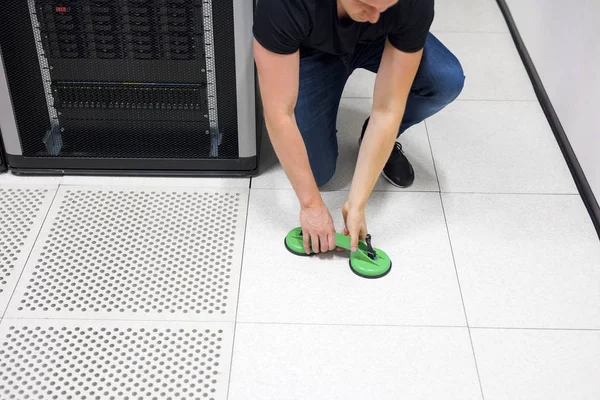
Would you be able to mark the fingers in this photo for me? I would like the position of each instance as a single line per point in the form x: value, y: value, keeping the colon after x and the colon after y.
x: 310, y: 240
x: 319, y: 242
x: 353, y: 241
x: 332, y: 241
x: 306, y: 238
x: 328, y: 242
x: 353, y: 238
x: 315, y: 242
x: 323, y: 242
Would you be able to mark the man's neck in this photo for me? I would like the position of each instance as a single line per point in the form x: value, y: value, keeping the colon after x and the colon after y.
x: 342, y: 14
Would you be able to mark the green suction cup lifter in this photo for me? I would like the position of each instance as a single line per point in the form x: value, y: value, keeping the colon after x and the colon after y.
x: 366, y: 262
x: 294, y: 242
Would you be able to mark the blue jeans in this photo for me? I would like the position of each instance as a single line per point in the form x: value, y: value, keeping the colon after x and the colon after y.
x: 438, y: 82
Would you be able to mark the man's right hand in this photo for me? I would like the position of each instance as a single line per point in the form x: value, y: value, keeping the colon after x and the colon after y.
x: 317, y: 226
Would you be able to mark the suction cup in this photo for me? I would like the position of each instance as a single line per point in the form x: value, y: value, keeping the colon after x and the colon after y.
x: 370, y: 263
x: 294, y: 242
x: 366, y: 262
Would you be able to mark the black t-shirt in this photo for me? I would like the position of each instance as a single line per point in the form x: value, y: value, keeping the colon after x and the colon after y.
x: 285, y: 26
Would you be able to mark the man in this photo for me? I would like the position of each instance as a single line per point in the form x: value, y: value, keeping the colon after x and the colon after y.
x: 304, y: 51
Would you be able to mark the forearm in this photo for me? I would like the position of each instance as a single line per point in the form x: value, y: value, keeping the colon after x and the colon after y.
x: 375, y: 149
x: 395, y: 76
x: 291, y: 152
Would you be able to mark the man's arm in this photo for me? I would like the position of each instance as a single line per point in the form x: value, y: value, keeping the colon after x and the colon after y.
x: 394, y: 79
x: 278, y: 77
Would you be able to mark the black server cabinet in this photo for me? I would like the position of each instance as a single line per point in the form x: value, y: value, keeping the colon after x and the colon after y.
x: 129, y: 87
x: 2, y: 159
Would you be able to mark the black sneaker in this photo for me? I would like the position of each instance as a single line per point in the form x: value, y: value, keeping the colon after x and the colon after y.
x: 397, y: 170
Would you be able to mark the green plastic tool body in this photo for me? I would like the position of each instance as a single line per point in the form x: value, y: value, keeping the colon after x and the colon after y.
x: 365, y: 262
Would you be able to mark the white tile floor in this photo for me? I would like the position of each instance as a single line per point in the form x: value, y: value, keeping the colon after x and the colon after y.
x: 128, y: 288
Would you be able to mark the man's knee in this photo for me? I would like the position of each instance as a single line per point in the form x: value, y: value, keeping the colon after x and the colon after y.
x: 449, y: 80
x: 322, y: 152
x: 323, y: 174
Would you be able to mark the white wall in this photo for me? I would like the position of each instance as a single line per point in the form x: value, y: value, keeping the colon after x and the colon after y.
x: 563, y: 40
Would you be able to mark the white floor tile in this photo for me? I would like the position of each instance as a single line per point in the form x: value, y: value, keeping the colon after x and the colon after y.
x: 497, y: 147
x: 22, y: 212
x: 360, y: 84
x: 136, y: 254
x: 286, y: 362
x: 468, y: 16
x: 492, y: 66
x: 538, y: 365
x: 9, y: 178
x: 59, y: 359
x: 351, y: 117
x: 166, y: 182
x: 525, y: 261
x: 128, y: 181
x: 421, y: 288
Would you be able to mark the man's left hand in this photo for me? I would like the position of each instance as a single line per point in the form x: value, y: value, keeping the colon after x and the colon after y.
x: 355, y: 224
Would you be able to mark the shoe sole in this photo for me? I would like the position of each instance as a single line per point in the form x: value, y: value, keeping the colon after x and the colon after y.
x: 393, y: 183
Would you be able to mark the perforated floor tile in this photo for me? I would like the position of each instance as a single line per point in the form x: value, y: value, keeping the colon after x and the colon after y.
x: 117, y: 253
x: 90, y: 360
x: 22, y: 211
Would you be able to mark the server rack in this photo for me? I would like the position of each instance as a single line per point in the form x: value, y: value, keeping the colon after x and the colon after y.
x: 129, y: 87
x: 2, y: 160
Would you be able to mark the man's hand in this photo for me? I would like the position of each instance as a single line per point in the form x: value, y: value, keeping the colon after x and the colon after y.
x: 317, y: 226
x: 355, y: 224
